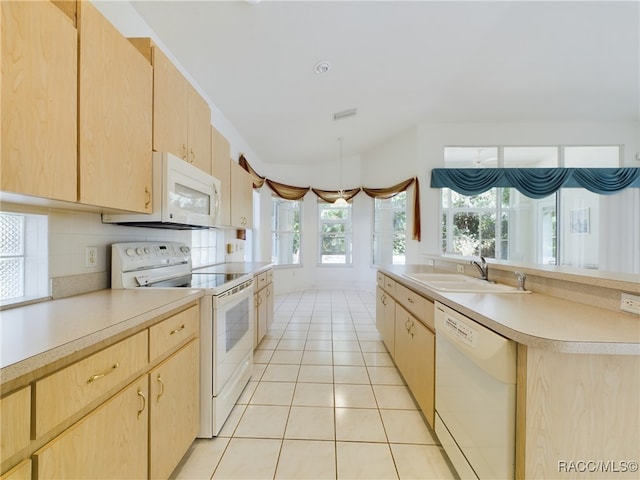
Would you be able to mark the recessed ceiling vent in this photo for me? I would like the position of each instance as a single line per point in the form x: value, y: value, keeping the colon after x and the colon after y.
x: 345, y: 114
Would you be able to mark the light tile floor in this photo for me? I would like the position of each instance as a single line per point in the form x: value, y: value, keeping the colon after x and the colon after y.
x: 325, y: 402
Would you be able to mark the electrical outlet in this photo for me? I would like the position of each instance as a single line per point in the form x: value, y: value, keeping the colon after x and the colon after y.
x: 90, y: 257
x: 460, y: 268
x: 630, y: 303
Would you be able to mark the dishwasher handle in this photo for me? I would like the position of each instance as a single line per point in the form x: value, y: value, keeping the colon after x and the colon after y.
x: 491, y: 352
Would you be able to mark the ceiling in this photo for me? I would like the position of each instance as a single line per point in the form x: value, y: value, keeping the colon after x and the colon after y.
x: 400, y: 64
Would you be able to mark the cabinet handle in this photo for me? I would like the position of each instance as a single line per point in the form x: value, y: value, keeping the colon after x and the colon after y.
x: 95, y: 377
x: 410, y: 327
x: 383, y: 299
x: 144, y: 401
x: 192, y: 155
x: 177, y: 329
x: 184, y: 151
x: 406, y: 325
x: 410, y: 300
x: 259, y: 300
x: 161, y: 387
x: 268, y: 293
x: 148, y: 196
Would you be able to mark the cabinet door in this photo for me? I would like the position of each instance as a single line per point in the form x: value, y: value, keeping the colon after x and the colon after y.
x: 174, y: 409
x: 385, y: 319
x: 421, y: 375
x: 15, y: 422
x: 402, y: 348
x: 415, y: 358
x: 241, y: 197
x: 270, y: 304
x: 38, y: 101
x: 261, y: 318
x: 221, y: 169
x: 199, y: 131
x: 111, y: 442
x: 170, y: 107
x: 115, y: 110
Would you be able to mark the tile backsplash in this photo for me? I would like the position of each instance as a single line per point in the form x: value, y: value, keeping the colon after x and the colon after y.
x: 71, y: 232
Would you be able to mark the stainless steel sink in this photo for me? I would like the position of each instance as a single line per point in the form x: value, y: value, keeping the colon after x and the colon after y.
x: 452, y: 282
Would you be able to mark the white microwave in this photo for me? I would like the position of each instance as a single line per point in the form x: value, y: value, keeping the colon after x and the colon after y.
x: 183, y: 197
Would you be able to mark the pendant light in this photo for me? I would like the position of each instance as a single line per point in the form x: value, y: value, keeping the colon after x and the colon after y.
x: 340, y: 201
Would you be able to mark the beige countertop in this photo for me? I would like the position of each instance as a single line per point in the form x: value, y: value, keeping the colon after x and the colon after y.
x: 238, y: 267
x: 537, y: 320
x: 37, y: 336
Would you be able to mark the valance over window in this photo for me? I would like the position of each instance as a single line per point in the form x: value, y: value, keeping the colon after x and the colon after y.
x: 290, y: 192
x: 535, y: 182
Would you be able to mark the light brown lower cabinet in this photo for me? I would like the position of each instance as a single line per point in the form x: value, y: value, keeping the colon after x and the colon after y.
x: 128, y: 411
x: 385, y: 319
x: 263, y: 304
x: 174, y: 409
x: 415, y: 358
x: 110, y: 442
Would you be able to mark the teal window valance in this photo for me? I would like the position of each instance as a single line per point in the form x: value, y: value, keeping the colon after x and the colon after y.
x: 535, y: 182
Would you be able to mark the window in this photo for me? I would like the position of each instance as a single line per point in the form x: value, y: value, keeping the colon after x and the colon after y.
x: 334, y: 234
x: 285, y: 231
x: 470, y: 224
x: 502, y: 223
x: 390, y: 230
x: 23, y: 257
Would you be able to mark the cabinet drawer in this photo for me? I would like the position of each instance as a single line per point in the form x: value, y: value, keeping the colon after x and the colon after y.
x: 390, y: 286
x: 380, y: 279
x: 64, y: 393
x: 261, y: 280
x: 15, y: 421
x: 419, y: 306
x: 173, y: 331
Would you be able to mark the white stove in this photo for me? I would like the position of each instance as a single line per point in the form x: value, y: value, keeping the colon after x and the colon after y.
x: 226, y: 318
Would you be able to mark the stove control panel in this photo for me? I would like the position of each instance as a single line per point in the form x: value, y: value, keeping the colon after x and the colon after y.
x: 130, y: 257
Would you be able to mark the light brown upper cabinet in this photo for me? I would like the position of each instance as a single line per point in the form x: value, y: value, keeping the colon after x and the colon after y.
x: 115, y: 117
x: 181, y: 117
x: 241, y: 197
x: 38, y: 101
x: 221, y: 169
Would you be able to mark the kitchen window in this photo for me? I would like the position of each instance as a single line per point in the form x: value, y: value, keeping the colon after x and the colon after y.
x: 286, y: 231
x: 561, y: 229
x: 390, y: 230
x: 335, y: 233
x: 23, y: 257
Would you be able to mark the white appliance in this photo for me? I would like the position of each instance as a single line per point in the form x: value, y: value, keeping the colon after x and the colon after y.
x: 475, y: 396
x: 184, y: 197
x: 226, y: 319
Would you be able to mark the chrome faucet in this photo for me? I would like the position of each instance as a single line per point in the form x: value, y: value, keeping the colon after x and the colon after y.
x: 521, y: 277
x: 483, y: 267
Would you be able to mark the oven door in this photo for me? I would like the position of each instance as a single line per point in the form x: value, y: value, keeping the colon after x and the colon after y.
x: 233, y: 325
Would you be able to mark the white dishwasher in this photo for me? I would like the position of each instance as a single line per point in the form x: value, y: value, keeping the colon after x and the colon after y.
x: 475, y: 396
